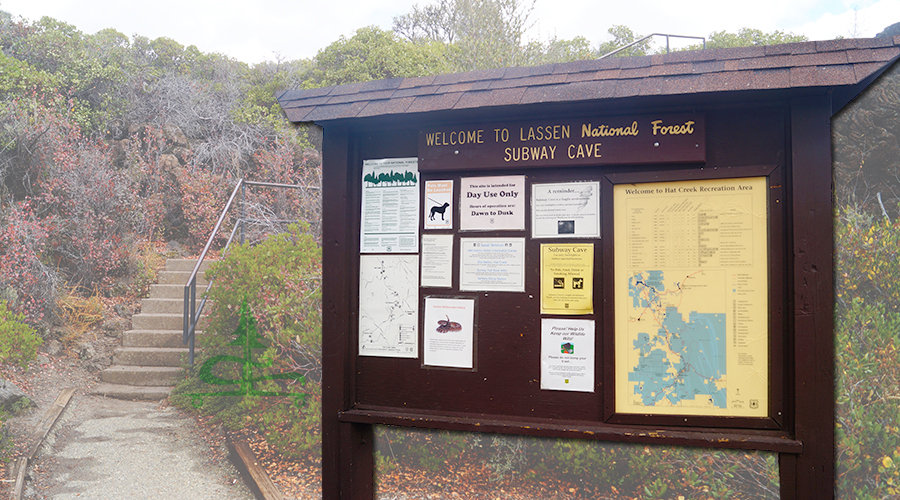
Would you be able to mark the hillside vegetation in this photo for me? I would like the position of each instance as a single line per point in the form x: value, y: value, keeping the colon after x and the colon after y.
x: 113, y: 147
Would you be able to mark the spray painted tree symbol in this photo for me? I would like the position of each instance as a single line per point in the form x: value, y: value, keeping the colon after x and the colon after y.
x: 249, y: 339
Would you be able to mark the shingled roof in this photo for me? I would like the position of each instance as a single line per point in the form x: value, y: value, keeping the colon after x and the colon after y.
x: 805, y: 65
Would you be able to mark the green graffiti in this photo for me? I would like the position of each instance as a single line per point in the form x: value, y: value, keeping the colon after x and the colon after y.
x: 248, y: 338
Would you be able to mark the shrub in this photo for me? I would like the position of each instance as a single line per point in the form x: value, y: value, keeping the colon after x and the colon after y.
x: 867, y: 415
x: 18, y: 341
x: 26, y: 282
x: 280, y: 281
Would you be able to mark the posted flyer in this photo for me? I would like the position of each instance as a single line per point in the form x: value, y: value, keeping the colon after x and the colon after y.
x: 390, y: 206
x: 449, y: 332
x: 565, y: 210
x: 492, y: 203
x: 496, y: 264
x: 437, y: 260
x: 567, y: 354
x: 567, y: 278
x: 438, y: 205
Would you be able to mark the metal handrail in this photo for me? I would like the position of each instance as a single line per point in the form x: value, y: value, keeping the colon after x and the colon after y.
x: 192, y: 312
x: 632, y: 44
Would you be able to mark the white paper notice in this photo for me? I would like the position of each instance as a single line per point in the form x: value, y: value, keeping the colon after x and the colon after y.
x: 438, y: 205
x: 492, y: 203
x: 437, y: 260
x: 449, y: 332
x: 390, y: 206
x: 492, y: 264
x: 389, y: 305
x: 567, y: 355
x: 565, y: 210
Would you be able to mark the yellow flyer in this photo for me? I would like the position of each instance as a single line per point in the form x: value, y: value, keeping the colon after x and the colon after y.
x: 567, y: 278
x: 691, y: 297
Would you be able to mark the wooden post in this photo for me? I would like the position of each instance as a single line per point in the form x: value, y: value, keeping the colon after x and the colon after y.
x: 347, y: 449
x: 811, y: 474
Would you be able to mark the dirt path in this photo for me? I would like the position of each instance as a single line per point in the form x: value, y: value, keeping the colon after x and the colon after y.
x: 105, y: 448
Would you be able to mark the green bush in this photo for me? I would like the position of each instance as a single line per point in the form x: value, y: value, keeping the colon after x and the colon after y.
x: 18, y: 341
x: 278, y: 282
x: 867, y: 415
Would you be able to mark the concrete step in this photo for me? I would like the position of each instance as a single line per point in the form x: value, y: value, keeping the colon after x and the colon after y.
x: 150, y: 356
x: 166, y: 306
x: 162, y: 322
x: 180, y: 278
x: 170, y: 291
x: 145, y: 393
x: 162, y: 306
x: 141, y: 375
x: 155, y: 338
x: 186, y: 264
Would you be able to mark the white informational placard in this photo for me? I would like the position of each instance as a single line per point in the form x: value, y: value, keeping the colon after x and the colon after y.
x: 390, y: 206
x: 496, y: 264
x: 565, y: 210
x: 567, y: 354
x: 449, y: 332
x: 492, y: 203
x: 438, y: 205
x: 437, y: 260
x: 389, y: 305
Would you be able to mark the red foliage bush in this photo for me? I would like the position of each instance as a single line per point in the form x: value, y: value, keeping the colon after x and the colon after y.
x: 25, y: 282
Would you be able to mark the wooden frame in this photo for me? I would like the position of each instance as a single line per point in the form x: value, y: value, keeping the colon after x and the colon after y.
x: 800, y: 426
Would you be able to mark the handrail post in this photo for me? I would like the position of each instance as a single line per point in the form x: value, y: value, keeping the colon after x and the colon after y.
x: 243, y: 210
x: 191, y: 311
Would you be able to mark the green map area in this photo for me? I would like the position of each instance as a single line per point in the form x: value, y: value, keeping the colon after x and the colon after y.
x: 680, y: 362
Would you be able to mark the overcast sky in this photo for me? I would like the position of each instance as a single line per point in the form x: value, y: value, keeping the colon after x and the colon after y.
x: 258, y: 30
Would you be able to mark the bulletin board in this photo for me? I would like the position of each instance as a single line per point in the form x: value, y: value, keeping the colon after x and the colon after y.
x: 594, y: 294
x: 580, y: 277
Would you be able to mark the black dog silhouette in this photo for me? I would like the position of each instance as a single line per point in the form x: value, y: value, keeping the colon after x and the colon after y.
x: 438, y: 210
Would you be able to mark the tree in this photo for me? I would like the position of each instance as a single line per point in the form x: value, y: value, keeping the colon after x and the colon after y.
x: 480, y: 33
x: 374, y: 54
x: 622, y: 36
x: 747, y: 37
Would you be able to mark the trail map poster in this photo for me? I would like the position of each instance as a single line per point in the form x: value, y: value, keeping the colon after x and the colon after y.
x: 691, y: 298
x: 390, y: 206
x: 389, y: 306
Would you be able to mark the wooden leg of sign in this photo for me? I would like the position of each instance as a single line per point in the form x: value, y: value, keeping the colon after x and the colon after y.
x: 358, y: 468
x: 813, y: 302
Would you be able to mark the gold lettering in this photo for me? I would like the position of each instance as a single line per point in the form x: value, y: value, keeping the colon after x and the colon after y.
x: 588, y: 130
x: 687, y: 128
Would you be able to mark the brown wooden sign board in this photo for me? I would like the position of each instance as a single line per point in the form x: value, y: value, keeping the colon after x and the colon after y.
x: 627, y: 140
x: 782, y: 146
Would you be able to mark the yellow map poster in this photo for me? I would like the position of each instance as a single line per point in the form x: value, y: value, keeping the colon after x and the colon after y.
x: 691, y: 298
x: 567, y: 278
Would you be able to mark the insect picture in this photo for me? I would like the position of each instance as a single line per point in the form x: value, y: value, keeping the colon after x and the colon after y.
x: 446, y: 325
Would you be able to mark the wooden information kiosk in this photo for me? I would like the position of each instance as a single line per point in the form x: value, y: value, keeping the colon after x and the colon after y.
x: 629, y: 250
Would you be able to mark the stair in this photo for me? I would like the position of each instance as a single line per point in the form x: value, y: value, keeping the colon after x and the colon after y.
x: 148, y: 364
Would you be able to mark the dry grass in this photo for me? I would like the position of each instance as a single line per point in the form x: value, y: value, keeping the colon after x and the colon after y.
x: 80, y: 314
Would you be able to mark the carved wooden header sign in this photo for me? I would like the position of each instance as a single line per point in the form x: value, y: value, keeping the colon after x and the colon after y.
x: 647, y: 139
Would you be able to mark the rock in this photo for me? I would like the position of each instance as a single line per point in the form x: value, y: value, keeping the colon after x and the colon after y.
x: 174, y: 249
x: 58, y: 332
x: 174, y: 134
x: 10, y: 395
x: 86, y: 351
x: 114, y: 327
x: 53, y: 348
x: 42, y: 360
x: 123, y: 310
